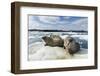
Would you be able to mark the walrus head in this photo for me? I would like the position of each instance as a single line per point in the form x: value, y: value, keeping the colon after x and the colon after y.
x: 67, y: 41
x: 47, y: 40
x: 44, y: 37
x: 71, y: 45
x: 70, y: 39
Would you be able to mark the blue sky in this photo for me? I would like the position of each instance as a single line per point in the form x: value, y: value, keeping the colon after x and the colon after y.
x: 58, y: 22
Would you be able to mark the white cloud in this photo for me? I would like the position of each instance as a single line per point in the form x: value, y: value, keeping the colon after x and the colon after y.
x: 53, y: 22
x: 53, y: 19
x: 81, y: 24
x: 48, y: 19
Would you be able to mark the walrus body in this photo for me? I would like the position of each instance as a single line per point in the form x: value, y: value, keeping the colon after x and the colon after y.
x: 71, y: 45
x: 68, y: 43
x: 53, y: 40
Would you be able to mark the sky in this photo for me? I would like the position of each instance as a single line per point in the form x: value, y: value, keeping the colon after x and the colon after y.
x: 58, y: 22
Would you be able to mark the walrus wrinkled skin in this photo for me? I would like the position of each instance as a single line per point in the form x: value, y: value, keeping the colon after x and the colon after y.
x: 53, y: 40
x: 71, y: 45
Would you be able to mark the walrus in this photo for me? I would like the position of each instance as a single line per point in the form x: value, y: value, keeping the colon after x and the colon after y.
x: 71, y: 45
x: 53, y: 40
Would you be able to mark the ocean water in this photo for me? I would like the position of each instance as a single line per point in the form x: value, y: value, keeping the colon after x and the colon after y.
x: 80, y: 37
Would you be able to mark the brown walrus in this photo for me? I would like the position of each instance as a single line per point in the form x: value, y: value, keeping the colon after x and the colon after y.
x: 71, y: 45
x: 53, y: 40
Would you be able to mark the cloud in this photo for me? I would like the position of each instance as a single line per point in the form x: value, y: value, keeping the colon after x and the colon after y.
x: 53, y: 20
x: 58, y: 22
x: 48, y: 19
x: 81, y: 24
x: 32, y: 23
